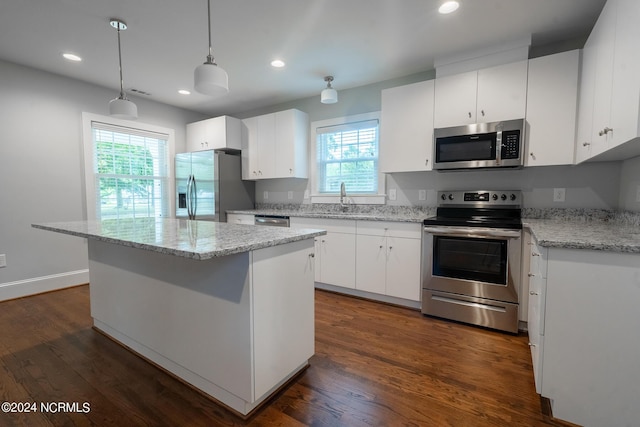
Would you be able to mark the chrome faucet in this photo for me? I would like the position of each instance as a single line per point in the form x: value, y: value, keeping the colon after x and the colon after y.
x: 343, y: 196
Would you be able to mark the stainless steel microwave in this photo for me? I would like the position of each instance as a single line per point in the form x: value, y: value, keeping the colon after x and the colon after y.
x: 480, y: 145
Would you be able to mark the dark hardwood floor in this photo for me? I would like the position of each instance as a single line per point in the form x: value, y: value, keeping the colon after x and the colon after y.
x: 375, y: 365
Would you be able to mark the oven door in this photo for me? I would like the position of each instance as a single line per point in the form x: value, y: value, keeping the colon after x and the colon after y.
x: 473, y: 261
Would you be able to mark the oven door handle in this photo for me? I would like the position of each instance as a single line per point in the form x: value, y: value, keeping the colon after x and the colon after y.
x: 473, y: 232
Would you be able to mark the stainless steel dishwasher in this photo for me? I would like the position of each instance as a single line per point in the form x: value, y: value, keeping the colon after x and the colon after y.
x: 272, y: 220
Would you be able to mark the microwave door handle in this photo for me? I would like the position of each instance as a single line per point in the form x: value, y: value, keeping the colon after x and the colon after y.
x: 498, y: 147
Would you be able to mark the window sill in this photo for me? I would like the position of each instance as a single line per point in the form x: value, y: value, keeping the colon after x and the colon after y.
x: 379, y: 199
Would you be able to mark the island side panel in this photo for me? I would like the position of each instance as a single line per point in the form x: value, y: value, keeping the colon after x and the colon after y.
x: 191, y: 317
x: 283, y: 321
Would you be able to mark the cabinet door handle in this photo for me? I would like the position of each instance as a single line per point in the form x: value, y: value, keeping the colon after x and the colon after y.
x: 533, y: 293
x: 426, y: 162
x: 312, y: 255
x: 535, y: 254
x: 605, y: 131
x: 380, y: 246
x: 469, y: 114
x: 586, y: 144
x: 531, y: 344
x: 531, y: 275
x: 482, y: 111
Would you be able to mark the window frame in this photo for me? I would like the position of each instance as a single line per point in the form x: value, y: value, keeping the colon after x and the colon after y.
x: 378, y: 198
x: 88, y: 152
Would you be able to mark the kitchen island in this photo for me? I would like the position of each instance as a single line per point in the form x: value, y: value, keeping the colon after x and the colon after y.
x: 229, y: 309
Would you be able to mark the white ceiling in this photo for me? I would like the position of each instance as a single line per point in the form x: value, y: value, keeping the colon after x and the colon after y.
x: 357, y: 41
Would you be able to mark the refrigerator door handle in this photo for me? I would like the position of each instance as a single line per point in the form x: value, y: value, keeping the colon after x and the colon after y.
x: 194, y: 197
x: 188, y: 194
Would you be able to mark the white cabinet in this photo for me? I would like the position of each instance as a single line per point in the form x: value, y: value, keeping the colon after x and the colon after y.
x: 388, y: 256
x: 275, y: 145
x: 246, y: 219
x: 537, y: 276
x: 222, y: 132
x: 487, y: 95
x: 552, y: 102
x: 609, y: 114
x: 591, y: 345
x: 335, y: 252
x: 406, y: 128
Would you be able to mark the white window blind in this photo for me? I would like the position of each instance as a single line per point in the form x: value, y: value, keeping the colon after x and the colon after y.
x: 131, y: 171
x: 348, y: 153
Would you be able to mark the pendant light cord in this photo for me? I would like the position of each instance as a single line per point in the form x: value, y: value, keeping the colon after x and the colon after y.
x: 122, y: 95
x: 210, y: 59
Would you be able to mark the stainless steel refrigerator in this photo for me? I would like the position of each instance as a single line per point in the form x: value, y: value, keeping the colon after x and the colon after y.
x: 208, y: 183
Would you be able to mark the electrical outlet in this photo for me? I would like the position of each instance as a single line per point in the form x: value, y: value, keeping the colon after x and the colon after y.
x: 422, y: 194
x: 265, y: 195
x: 558, y: 194
x: 3, y: 260
x: 638, y: 194
x: 306, y: 194
x: 392, y: 194
x: 290, y: 195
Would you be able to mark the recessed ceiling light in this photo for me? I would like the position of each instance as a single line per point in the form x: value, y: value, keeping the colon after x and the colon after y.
x: 184, y: 92
x: 71, y: 57
x: 448, y: 7
x: 277, y: 63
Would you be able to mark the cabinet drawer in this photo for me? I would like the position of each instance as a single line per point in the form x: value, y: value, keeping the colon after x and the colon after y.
x: 331, y: 225
x: 389, y: 228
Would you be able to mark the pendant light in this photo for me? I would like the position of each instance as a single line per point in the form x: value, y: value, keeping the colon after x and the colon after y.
x: 329, y: 95
x: 121, y: 107
x: 210, y: 79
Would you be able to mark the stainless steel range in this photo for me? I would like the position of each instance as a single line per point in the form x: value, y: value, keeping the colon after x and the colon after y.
x: 471, y: 265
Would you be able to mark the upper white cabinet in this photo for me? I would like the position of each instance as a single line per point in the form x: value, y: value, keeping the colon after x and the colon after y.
x: 222, y: 132
x: 552, y: 105
x: 406, y: 128
x: 487, y: 95
x: 275, y: 145
x: 609, y: 108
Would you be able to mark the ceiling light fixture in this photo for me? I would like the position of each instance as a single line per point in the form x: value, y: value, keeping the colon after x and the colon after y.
x: 184, y: 92
x: 448, y: 7
x: 329, y: 95
x: 277, y: 63
x: 71, y: 57
x: 208, y: 77
x: 121, y: 107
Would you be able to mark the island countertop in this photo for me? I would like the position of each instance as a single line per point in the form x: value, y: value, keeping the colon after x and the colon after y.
x: 199, y: 240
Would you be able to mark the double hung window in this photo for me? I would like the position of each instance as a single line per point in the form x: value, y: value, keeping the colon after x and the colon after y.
x: 347, y: 152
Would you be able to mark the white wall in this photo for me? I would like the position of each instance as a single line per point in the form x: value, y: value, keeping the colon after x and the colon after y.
x: 630, y: 185
x: 41, y: 176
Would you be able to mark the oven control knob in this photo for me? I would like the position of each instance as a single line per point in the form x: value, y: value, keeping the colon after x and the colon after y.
x: 512, y: 197
x: 503, y: 197
x: 450, y: 196
x: 443, y: 197
x: 494, y: 197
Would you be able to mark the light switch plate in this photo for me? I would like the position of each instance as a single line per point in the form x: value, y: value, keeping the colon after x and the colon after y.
x: 638, y: 194
x: 265, y: 195
x: 306, y: 194
x: 290, y: 195
x: 392, y: 194
x: 422, y: 194
x: 3, y: 260
x: 558, y: 194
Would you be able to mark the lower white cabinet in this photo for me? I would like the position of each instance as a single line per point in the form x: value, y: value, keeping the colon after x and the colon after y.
x: 536, y: 304
x: 583, y: 331
x: 335, y: 252
x: 388, y: 257
x: 375, y: 257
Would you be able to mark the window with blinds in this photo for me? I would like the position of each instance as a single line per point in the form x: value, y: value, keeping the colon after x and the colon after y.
x: 348, y: 153
x: 131, y: 171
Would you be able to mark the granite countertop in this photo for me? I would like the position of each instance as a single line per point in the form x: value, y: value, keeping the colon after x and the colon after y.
x: 611, y: 236
x: 354, y: 212
x: 197, y: 240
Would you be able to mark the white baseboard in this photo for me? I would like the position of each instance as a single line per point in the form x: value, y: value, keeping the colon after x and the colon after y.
x: 38, y: 285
